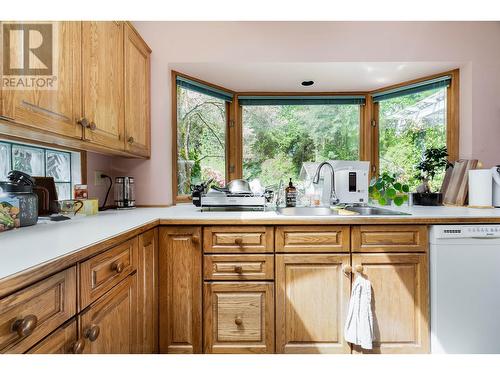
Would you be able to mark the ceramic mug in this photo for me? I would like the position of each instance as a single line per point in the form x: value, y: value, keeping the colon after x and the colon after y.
x: 70, y: 206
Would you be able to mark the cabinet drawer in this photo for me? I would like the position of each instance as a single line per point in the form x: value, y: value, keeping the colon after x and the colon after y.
x: 389, y: 238
x: 239, y: 317
x: 241, y: 239
x: 62, y: 341
x: 238, y: 267
x: 39, y: 309
x: 102, y: 272
x: 312, y: 239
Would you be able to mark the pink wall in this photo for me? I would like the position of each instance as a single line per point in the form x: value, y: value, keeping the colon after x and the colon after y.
x: 474, y: 46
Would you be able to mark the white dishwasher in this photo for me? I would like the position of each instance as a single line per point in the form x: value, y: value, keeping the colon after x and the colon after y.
x: 465, y: 288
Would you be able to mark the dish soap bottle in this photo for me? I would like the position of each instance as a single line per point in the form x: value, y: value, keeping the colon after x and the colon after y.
x: 291, y: 195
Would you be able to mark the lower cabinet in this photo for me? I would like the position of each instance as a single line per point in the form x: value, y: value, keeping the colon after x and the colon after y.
x: 109, y: 325
x: 400, y: 294
x: 239, y: 317
x: 180, y: 282
x: 147, y: 282
x: 63, y: 341
x: 312, y: 296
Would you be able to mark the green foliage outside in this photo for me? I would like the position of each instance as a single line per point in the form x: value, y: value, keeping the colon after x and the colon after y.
x: 278, y: 139
x: 201, y: 138
x: 404, y: 137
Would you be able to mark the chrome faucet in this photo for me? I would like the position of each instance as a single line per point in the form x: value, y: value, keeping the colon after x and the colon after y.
x: 333, y: 195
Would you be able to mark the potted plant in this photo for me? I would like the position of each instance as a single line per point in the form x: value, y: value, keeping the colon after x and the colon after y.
x: 434, y: 160
x: 386, y: 189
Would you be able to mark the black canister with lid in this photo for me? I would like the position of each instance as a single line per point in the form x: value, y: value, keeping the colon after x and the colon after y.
x: 20, y: 187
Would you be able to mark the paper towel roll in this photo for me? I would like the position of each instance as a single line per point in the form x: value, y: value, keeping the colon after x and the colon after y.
x: 480, y: 188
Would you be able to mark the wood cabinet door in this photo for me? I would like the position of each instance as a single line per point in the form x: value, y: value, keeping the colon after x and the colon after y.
x: 56, y: 110
x: 312, y: 296
x: 239, y: 317
x: 102, y: 81
x: 180, y: 286
x: 62, y: 341
x: 137, y: 94
x: 109, y: 326
x: 147, y: 273
x: 400, y: 301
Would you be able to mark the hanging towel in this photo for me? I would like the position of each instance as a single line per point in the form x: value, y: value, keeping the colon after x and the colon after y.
x: 358, y: 328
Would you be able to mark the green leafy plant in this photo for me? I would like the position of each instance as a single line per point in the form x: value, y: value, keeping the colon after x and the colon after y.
x: 434, y: 160
x: 387, y: 188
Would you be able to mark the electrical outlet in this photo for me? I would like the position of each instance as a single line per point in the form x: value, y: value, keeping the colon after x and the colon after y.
x: 98, y: 181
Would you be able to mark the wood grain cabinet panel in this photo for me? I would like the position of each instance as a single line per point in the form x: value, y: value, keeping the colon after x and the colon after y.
x: 312, y: 239
x: 137, y: 93
x: 239, y: 317
x: 389, y: 238
x: 147, y: 281
x: 238, y: 267
x: 56, y: 110
x: 102, y: 82
x: 102, y: 272
x: 238, y: 239
x: 400, y: 298
x: 180, y: 283
x: 110, y: 325
x: 63, y: 341
x: 312, y: 296
x: 31, y: 314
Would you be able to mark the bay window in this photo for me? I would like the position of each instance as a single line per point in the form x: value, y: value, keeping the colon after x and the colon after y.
x: 224, y: 135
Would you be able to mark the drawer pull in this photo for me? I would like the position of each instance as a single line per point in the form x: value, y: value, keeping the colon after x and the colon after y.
x: 130, y: 140
x: 25, y: 327
x: 117, y: 267
x: 238, y: 321
x: 78, y: 346
x: 238, y: 241
x: 92, y: 126
x: 238, y: 269
x: 359, y: 268
x: 83, y: 122
x: 92, y: 333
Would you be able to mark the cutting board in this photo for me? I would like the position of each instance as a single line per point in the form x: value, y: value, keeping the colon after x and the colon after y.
x: 457, y: 186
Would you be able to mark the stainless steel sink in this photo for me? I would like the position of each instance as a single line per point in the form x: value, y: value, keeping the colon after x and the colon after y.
x: 326, y: 211
x: 306, y: 211
x: 372, y: 211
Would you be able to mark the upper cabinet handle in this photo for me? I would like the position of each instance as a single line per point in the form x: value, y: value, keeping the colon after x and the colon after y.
x: 130, y: 140
x: 347, y: 270
x: 195, y: 239
x: 92, y: 126
x: 83, y: 122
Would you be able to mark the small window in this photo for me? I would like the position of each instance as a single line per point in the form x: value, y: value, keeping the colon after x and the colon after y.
x: 279, y: 141
x: 408, y: 125
x: 201, y: 134
x: 63, y: 166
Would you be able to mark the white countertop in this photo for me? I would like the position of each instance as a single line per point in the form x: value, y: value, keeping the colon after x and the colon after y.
x: 24, y: 248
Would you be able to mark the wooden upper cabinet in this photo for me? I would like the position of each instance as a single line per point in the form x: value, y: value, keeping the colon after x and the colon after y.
x: 137, y: 93
x: 312, y: 296
x: 56, y: 110
x: 180, y: 283
x: 400, y: 301
x: 102, y: 81
x: 109, y: 326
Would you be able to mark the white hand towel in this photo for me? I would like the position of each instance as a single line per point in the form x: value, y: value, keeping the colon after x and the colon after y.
x: 358, y: 328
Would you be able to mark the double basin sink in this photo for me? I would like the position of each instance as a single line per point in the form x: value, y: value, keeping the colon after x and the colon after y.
x: 348, y: 211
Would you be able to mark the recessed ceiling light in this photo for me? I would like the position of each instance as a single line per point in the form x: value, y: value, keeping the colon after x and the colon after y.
x: 307, y: 83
